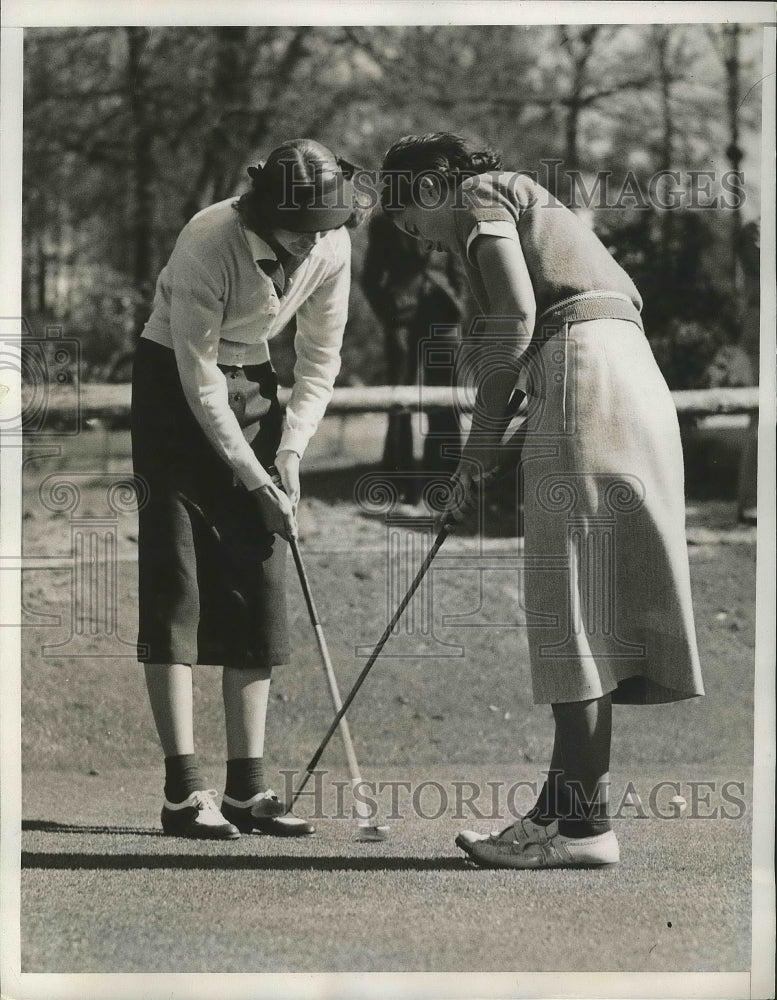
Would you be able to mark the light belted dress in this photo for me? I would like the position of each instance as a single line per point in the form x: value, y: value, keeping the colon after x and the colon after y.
x: 607, y: 589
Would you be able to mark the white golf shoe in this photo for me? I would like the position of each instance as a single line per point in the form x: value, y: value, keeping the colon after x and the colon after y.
x: 265, y: 813
x: 557, y: 851
x: 199, y: 817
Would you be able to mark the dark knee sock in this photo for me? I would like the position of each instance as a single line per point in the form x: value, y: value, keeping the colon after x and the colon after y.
x: 552, y: 802
x: 586, y: 815
x: 182, y: 777
x: 245, y: 778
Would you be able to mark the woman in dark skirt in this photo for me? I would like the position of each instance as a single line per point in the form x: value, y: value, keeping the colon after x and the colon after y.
x: 206, y: 428
x: 606, y: 579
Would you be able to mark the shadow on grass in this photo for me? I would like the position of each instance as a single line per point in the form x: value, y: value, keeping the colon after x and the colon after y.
x: 50, y: 826
x: 711, y: 455
x: 82, y: 861
x: 86, y: 861
x: 500, y: 518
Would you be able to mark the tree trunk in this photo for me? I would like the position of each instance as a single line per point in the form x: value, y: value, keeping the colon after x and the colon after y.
x: 226, y: 102
x: 572, y: 129
x: 235, y: 130
x: 142, y: 175
x: 666, y: 150
x: 580, y: 48
x: 41, y: 276
x: 734, y: 154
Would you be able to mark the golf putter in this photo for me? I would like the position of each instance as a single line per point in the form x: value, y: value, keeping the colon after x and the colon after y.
x: 441, y: 536
x: 515, y: 403
x: 367, y: 827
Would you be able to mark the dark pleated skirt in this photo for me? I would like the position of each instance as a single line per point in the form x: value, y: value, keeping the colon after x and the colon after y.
x: 212, y: 583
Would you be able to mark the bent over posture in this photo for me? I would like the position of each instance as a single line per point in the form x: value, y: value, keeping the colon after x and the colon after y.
x: 206, y: 427
x: 606, y: 579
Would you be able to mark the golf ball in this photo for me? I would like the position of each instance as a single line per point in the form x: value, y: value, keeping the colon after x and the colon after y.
x: 677, y: 804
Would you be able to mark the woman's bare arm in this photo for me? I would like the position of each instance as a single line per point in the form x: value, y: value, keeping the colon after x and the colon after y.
x: 505, y: 334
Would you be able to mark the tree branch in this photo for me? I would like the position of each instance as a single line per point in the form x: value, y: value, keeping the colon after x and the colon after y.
x: 366, y: 45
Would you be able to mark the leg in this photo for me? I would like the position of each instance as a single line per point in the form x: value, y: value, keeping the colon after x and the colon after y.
x: 583, y: 739
x: 248, y: 803
x: 394, y: 354
x: 583, y: 836
x: 188, y: 810
x: 245, y: 693
x: 747, y: 487
x: 538, y: 825
x: 169, y: 687
x: 556, y: 759
x: 552, y: 801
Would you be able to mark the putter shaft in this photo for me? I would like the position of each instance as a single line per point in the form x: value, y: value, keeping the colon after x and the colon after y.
x: 442, y: 535
x: 334, y: 691
x: 345, y: 734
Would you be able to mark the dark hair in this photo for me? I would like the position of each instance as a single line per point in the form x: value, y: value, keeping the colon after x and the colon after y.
x: 290, y: 190
x: 445, y: 155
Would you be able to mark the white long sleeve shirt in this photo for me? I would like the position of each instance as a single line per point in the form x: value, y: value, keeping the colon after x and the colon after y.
x: 214, y: 305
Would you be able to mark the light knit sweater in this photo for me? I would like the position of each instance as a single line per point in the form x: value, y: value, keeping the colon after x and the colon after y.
x: 214, y: 305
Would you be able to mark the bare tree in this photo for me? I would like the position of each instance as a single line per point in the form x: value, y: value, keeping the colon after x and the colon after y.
x: 579, y: 46
x: 727, y: 41
x: 666, y: 44
x: 239, y: 108
x: 143, y: 170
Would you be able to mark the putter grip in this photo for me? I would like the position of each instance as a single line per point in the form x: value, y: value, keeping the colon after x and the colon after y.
x: 273, y: 473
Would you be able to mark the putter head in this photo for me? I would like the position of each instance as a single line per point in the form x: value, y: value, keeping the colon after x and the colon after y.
x: 372, y: 833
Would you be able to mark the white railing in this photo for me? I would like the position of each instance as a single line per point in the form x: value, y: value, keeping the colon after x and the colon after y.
x: 112, y: 402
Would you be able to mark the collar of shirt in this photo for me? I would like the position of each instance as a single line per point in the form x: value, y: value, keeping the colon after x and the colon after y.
x: 266, y: 260
x: 260, y: 249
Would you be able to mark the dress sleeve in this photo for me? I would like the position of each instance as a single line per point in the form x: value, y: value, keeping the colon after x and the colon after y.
x: 196, y: 311
x: 504, y: 229
x: 320, y: 325
x: 479, y: 207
